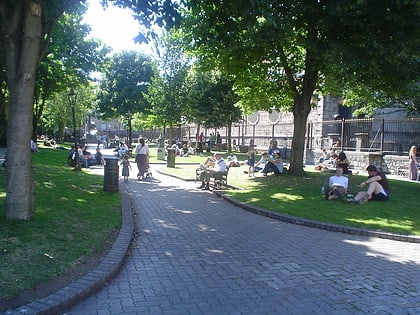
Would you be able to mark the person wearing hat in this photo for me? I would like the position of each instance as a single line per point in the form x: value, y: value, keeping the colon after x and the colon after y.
x: 206, y: 174
x: 377, y: 187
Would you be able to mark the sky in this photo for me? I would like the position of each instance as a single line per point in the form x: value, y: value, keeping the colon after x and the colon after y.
x: 114, y: 26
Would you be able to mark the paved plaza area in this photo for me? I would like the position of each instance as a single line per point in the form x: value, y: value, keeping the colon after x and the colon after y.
x: 197, y: 254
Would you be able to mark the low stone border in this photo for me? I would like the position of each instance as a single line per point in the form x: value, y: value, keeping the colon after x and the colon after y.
x: 95, y: 279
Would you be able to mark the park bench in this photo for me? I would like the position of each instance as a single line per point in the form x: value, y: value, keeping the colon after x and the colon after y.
x: 219, y: 181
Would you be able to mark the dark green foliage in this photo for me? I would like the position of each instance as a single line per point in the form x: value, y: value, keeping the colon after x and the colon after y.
x: 125, y: 83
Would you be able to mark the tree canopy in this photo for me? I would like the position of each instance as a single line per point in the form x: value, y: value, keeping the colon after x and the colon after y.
x: 281, y: 52
x: 124, y: 85
x: 168, y: 90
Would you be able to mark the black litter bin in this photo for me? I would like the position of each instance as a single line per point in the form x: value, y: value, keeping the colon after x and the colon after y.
x: 111, y: 178
x: 170, y: 159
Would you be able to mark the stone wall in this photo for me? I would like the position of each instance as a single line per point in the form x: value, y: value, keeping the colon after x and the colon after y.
x: 391, y: 164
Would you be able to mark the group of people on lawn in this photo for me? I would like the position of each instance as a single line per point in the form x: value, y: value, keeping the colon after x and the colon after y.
x: 270, y: 162
x: 86, y: 159
x: 377, y: 184
x: 377, y: 187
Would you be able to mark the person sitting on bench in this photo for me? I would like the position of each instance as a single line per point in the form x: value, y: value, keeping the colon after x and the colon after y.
x: 207, y: 173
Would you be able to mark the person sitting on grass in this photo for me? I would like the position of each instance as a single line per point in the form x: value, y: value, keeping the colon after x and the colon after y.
x: 71, y: 157
x: 233, y: 161
x: 378, y: 187
x: 274, y: 164
x: 82, y: 157
x: 344, y: 162
x: 206, y: 174
x: 327, y: 163
x: 259, y: 166
x: 338, y: 185
x: 34, y: 146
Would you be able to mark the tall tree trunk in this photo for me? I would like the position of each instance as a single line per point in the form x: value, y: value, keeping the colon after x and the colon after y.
x: 229, y: 137
x: 298, y: 144
x: 301, y: 110
x: 3, y: 116
x: 22, y: 48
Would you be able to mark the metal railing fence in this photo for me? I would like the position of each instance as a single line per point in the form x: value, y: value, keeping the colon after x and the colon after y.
x: 390, y: 136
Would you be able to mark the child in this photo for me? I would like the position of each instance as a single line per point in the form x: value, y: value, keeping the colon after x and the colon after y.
x: 126, y: 167
x: 251, y: 161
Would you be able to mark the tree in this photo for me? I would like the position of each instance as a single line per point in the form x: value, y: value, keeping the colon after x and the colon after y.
x: 25, y: 27
x: 211, y: 101
x: 68, y: 61
x: 281, y: 52
x: 379, y: 63
x: 122, y: 91
x: 3, y: 100
x: 58, y: 114
x: 167, y: 91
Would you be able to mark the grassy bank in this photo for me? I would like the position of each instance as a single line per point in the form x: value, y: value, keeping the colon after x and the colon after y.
x: 74, y: 220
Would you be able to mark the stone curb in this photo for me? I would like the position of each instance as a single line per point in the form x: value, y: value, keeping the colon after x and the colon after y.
x: 311, y: 223
x: 92, y: 281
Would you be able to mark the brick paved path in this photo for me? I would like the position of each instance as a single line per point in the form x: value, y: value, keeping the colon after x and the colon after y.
x: 197, y: 254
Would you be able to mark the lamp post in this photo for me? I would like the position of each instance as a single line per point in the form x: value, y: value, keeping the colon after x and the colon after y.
x: 130, y: 115
x: 72, y: 101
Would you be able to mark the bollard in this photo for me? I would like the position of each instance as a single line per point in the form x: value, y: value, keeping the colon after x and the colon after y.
x: 111, y: 176
x: 161, y: 150
x: 170, y: 160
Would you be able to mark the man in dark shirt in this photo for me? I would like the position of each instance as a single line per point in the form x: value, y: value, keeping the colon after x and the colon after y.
x: 378, y: 187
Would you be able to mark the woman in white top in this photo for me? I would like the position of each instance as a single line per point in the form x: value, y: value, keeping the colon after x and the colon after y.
x: 142, y: 158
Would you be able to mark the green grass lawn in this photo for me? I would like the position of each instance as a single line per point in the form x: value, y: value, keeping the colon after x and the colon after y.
x: 74, y: 218
x: 300, y: 196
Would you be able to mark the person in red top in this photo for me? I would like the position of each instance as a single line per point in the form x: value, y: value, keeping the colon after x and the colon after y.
x: 201, y: 139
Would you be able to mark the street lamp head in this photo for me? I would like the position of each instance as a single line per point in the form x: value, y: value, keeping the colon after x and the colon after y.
x: 72, y: 97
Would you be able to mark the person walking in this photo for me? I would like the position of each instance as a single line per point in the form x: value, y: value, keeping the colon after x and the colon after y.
x: 142, y: 158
